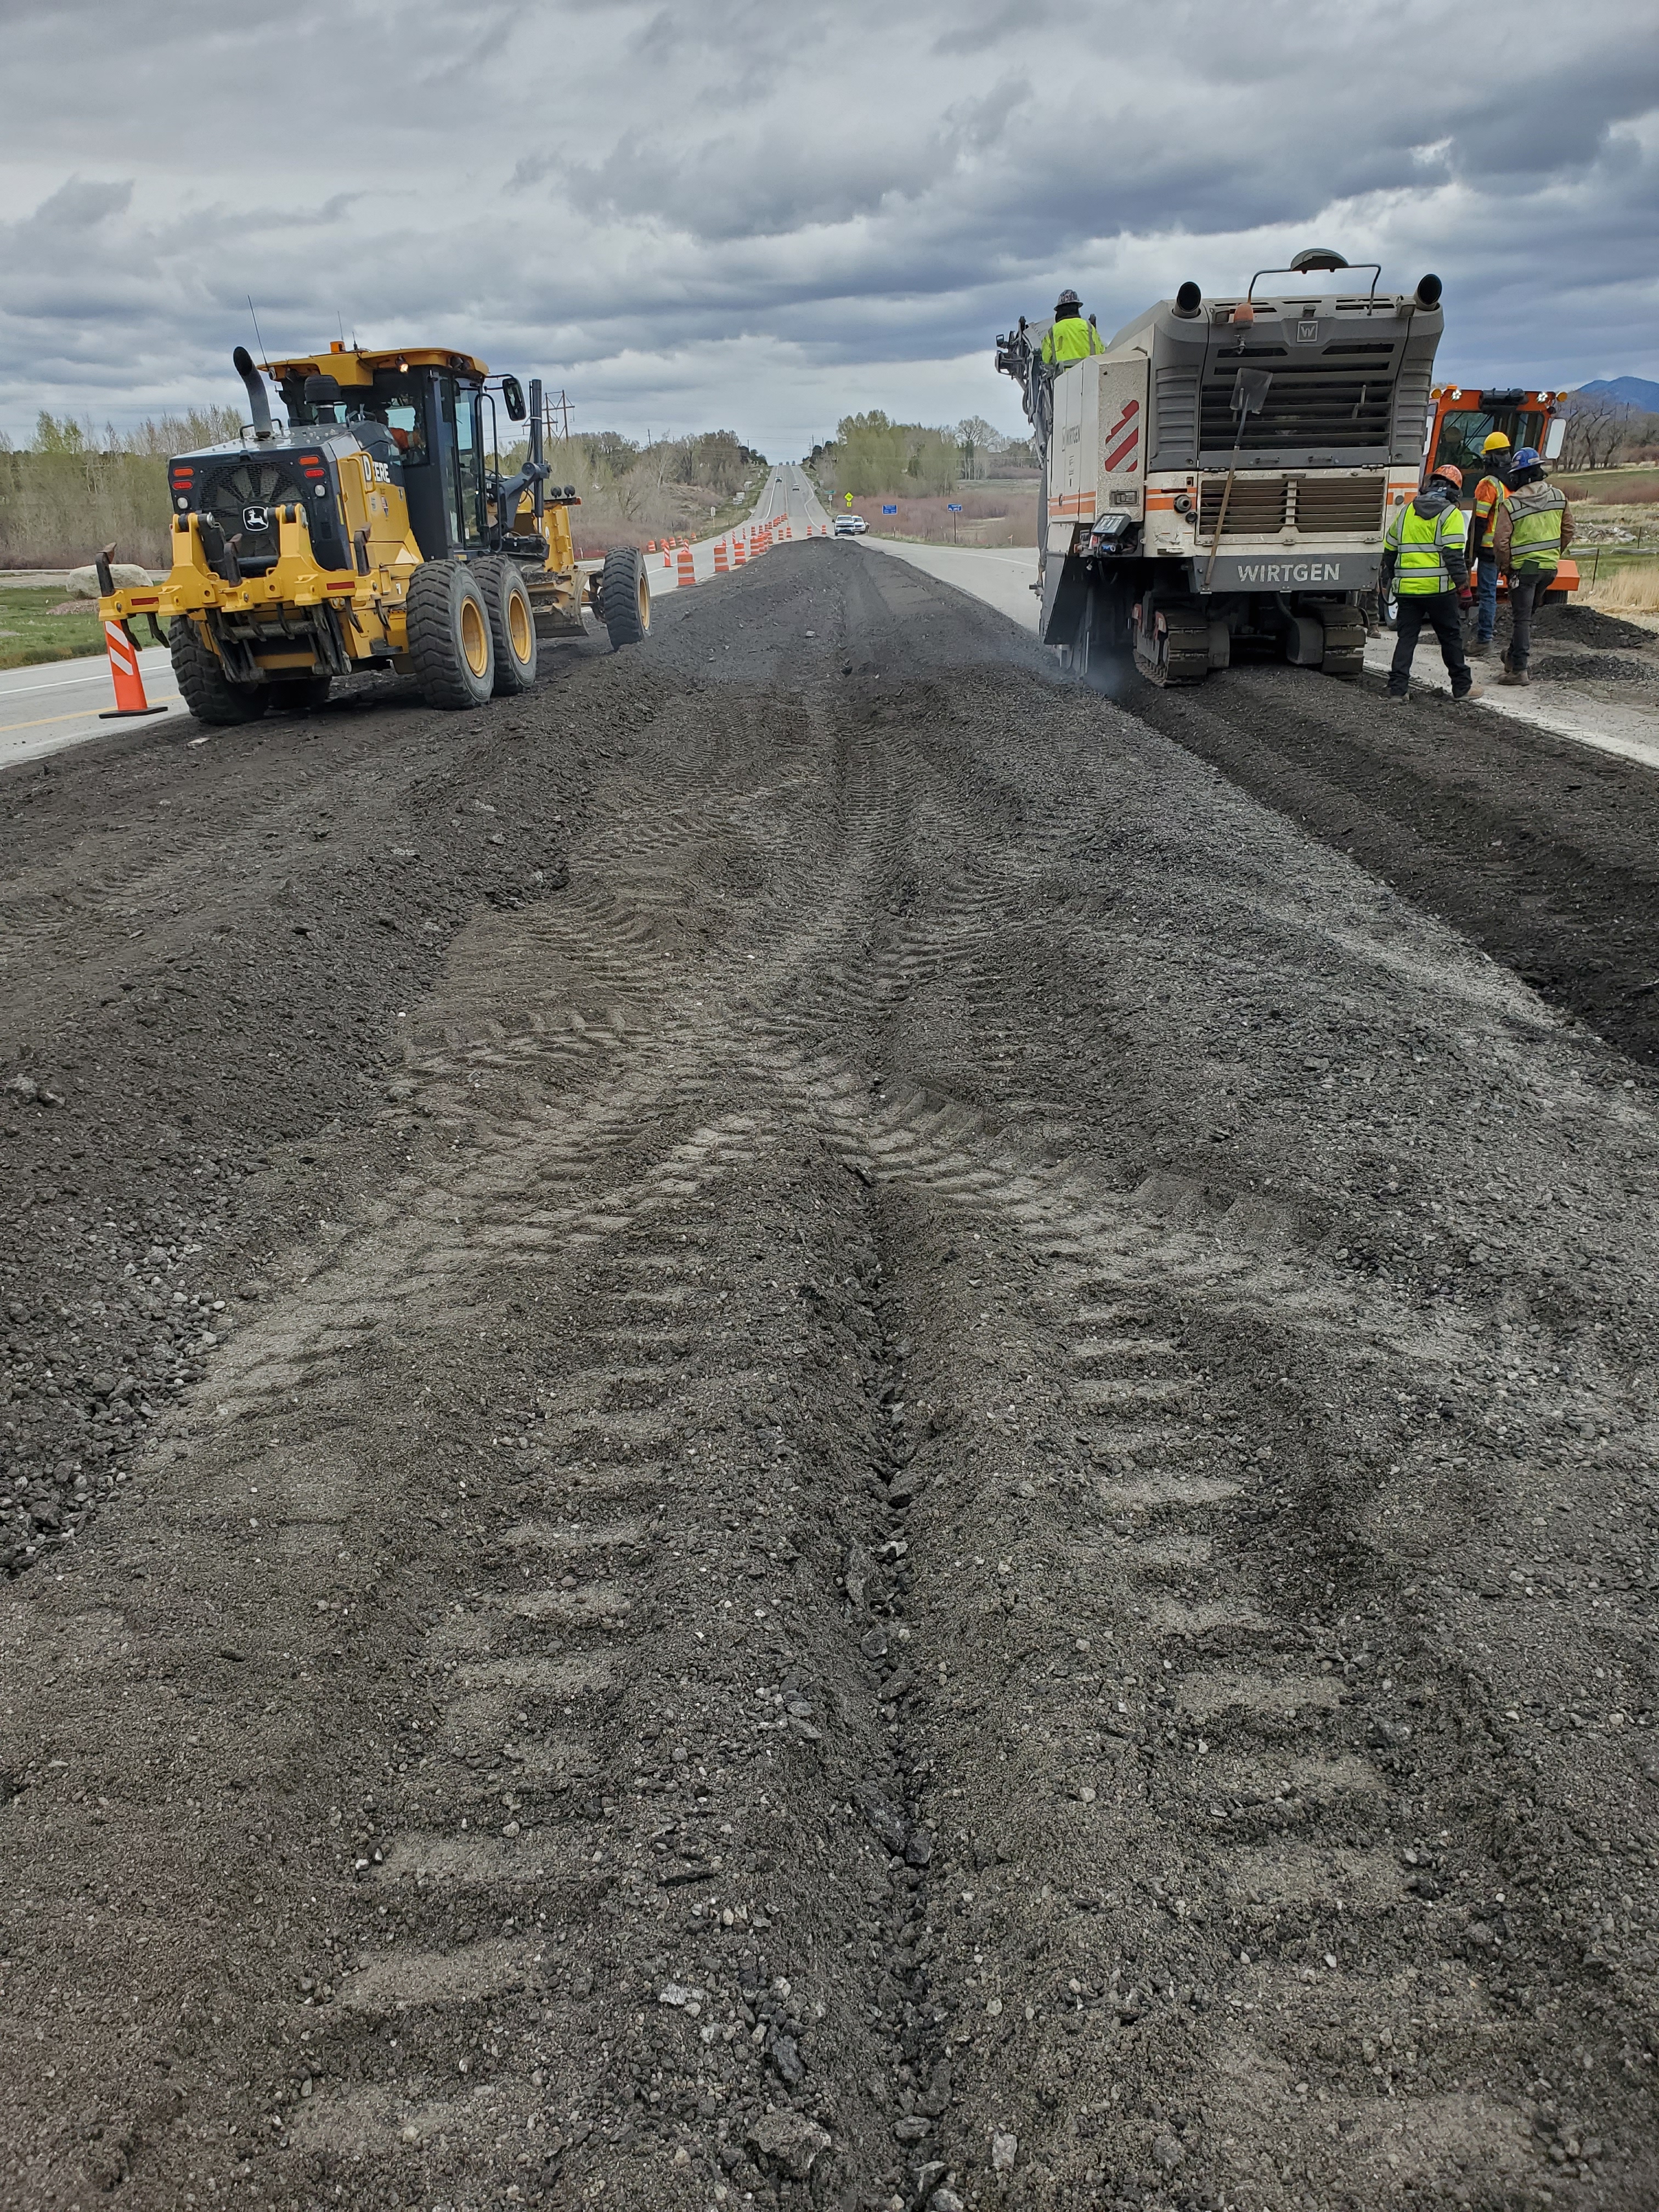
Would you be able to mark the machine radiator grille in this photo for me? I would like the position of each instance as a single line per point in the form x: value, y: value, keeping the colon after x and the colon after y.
x: 1328, y: 400
x: 1324, y: 503
x: 1175, y: 419
x: 1262, y: 507
x: 242, y: 496
x: 1255, y: 508
x: 1411, y: 409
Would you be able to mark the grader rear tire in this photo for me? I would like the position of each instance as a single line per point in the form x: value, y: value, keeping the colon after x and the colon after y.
x: 450, y: 641
x: 203, y: 685
x: 511, y: 623
x: 624, y: 596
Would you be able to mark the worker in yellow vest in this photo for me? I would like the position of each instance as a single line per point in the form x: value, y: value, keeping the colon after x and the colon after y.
x: 1424, y: 559
x: 1490, y: 494
x: 1533, y: 530
x: 1070, y: 338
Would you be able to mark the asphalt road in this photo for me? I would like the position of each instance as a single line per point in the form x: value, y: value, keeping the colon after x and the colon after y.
x: 800, y: 1426
x: 1000, y: 576
x: 44, y: 710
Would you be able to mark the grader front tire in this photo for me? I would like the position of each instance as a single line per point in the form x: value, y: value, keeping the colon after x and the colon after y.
x: 450, y: 641
x: 625, y: 597
x: 511, y: 623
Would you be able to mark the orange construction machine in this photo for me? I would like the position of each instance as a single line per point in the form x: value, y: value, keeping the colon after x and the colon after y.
x: 1462, y: 420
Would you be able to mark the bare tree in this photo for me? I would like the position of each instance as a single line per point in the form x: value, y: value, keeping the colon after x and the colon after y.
x: 981, y: 442
x: 1598, y: 427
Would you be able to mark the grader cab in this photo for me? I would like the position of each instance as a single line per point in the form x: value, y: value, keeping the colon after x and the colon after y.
x: 375, y: 529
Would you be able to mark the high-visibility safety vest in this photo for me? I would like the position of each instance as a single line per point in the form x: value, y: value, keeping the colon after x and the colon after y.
x: 1415, y: 541
x: 1490, y: 494
x: 1071, y: 338
x: 1535, y: 529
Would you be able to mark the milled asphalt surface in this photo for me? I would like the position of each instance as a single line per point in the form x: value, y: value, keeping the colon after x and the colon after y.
x: 1629, y: 728
x: 799, y: 1427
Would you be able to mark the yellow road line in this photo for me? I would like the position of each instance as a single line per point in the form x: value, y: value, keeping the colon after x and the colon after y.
x: 41, y: 721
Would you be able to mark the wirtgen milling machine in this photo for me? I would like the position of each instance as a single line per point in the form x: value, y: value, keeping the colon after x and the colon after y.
x: 1225, y: 470
x: 375, y: 530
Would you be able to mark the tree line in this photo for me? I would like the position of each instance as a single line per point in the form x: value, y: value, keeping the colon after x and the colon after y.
x: 870, y: 454
x: 73, y: 487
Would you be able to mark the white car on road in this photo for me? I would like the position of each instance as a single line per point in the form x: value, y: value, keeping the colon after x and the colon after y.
x: 850, y: 525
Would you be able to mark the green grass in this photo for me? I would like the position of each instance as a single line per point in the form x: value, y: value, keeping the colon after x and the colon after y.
x: 1609, y: 486
x: 1605, y: 560
x: 29, y: 635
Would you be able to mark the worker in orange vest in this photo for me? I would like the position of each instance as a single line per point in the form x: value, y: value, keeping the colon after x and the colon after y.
x: 1490, y: 494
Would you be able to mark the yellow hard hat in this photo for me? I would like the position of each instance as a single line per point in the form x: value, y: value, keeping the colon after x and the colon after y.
x: 1498, y: 443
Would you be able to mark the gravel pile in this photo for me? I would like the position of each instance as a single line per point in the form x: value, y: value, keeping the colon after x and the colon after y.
x: 1595, y: 668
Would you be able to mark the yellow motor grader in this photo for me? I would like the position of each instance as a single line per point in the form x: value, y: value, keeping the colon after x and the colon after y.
x: 374, y: 531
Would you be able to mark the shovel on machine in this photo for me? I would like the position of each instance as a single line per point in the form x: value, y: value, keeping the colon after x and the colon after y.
x: 1249, y: 389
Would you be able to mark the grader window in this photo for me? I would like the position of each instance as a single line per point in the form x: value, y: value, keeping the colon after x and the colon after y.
x: 399, y: 402
x: 460, y: 419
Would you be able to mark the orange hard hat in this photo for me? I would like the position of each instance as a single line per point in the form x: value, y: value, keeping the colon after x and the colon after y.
x: 1452, y: 474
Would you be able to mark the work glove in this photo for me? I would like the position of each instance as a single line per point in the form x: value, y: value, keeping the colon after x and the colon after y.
x: 1466, y: 597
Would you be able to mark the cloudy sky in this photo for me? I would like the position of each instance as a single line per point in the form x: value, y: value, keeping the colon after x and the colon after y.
x: 763, y: 213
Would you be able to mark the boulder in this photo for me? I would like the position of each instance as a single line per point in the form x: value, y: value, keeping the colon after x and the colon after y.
x: 83, y: 583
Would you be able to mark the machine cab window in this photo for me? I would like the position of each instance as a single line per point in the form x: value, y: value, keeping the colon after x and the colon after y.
x: 399, y: 404
x: 464, y: 459
x: 1465, y: 430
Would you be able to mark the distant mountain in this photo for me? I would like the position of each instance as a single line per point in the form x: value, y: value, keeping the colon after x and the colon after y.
x: 1637, y: 392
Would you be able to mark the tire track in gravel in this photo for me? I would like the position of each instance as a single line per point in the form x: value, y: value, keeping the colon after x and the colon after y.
x: 775, y: 1628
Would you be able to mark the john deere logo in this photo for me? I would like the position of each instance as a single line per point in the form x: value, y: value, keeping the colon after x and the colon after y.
x: 256, y: 517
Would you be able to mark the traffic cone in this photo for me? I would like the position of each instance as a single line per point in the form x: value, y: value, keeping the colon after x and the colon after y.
x: 125, y: 672
x: 688, y: 568
x: 722, y: 564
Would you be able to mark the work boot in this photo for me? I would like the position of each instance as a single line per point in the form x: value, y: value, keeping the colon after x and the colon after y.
x: 1517, y: 676
x: 1394, y: 698
x: 1481, y: 649
x: 1474, y: 691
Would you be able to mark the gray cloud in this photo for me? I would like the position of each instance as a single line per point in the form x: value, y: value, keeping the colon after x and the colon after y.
x: 762, y: 216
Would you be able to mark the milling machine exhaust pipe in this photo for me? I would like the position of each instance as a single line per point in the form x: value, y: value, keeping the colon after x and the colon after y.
x: 257, y: 402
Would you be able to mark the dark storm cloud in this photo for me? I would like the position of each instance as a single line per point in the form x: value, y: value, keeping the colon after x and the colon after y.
x: 763, y: 216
